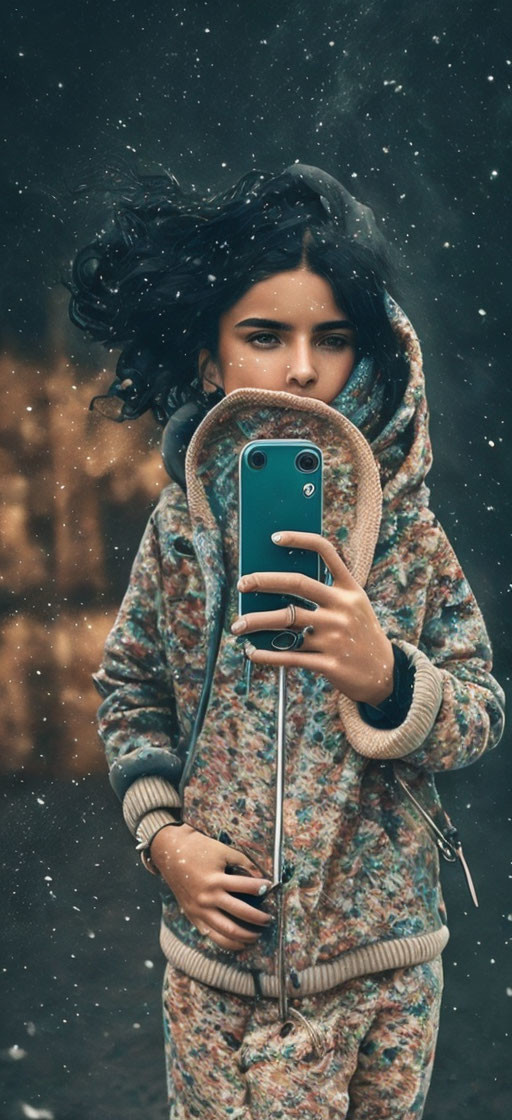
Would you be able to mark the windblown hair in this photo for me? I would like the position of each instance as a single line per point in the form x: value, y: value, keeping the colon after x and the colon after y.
x: 156, y: 282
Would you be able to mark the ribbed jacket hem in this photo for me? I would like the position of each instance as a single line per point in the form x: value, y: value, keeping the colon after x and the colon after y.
x: 397, y: 742
x: 146, y: 795
x: 401, y: 952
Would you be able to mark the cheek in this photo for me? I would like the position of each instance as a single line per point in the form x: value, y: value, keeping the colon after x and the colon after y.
x: 233, y: 357
x: 348, y: 362
x: 244, y: 362
x: 341, y: 375
x: 254, y: 358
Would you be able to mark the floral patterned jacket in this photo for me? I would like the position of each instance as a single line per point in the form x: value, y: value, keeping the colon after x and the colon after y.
x: 361, y: 873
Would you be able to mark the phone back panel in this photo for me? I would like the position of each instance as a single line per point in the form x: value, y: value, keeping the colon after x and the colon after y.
x: 273, y: 498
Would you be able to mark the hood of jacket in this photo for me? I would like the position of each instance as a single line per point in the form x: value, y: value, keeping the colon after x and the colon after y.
x: 401, y: 451
x: 372, y: 487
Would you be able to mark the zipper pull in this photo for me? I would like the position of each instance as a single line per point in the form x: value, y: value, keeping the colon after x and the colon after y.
x: 467, y: 873
x: 447, y: 840
x: 453, y: 838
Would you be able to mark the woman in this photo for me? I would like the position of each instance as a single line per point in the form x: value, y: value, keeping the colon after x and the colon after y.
x: 264, y: 312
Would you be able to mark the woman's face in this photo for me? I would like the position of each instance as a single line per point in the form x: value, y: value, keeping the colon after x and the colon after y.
x: 298, y: 340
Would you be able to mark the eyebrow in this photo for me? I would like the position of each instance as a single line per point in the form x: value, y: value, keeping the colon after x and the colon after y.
x: 333, y: 324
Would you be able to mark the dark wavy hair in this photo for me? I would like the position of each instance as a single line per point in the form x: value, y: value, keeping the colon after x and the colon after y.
x: 156, y: 282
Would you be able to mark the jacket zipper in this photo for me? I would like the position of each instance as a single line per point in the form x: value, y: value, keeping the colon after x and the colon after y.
x: 447, y: 839
x: 190, y: 750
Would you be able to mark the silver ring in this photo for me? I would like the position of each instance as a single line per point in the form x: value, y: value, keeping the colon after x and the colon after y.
x: 300, y: 637
x: 284, y: 640
x: 294, y: 639
x: 291, y: 607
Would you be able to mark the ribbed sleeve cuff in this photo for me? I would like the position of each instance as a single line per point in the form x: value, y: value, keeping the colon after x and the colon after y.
x: 152, y: 823
x: 391, y: 712
x: 397, y: 742
x: 144, y: 796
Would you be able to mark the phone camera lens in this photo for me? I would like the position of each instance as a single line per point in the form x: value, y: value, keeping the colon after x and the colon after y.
x: 307, y: 461
x: 257, y: 459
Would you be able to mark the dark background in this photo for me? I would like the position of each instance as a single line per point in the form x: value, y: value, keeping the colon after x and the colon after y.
x: 410, y: 106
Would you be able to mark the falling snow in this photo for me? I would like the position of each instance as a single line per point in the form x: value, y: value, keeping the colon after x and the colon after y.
x: 413, y: 116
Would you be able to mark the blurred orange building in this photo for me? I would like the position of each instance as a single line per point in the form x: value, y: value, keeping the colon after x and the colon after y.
x: 76, y: 492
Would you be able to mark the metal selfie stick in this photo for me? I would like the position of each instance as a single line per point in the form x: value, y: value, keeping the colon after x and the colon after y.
x: 277, y: 867
x: 278, y: 839
x: 286, y: 1013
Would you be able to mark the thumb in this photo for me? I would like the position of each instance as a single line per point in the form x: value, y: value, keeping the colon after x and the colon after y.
x: 234, y: 856
x: 243, y: 861
x: 254, y: 871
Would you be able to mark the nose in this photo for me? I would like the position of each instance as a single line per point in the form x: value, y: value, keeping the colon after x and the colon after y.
x: 301, y: 370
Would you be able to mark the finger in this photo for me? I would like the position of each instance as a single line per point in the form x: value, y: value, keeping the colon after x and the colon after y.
x: 288, y: 583
x: 222, y: 924
x: 317, y: 662
x: 317, y: 543
x: 232, y: 858
x: 250, y: 884
x: 237, y: 908
x: 277, y: 620
x: 224, y: 942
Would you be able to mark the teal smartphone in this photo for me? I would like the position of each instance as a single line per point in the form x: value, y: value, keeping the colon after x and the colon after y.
x: 280, y: 487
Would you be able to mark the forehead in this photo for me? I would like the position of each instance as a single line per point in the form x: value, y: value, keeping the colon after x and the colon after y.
x: 293, y: 291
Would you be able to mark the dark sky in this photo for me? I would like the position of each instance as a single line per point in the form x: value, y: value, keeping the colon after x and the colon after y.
x: 409, y: 104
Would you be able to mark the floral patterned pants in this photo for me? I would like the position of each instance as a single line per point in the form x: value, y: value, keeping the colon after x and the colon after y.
x: 369, y: 1057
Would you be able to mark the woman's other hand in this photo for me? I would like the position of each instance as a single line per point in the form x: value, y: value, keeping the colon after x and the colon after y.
x: 194, y: 867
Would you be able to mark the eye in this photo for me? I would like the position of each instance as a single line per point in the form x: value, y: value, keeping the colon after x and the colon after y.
x: 333, y: 341
x: 336, y: 341
x: 262, y: 334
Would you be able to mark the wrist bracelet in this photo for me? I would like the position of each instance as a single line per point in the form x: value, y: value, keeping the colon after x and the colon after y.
x: 149, y: 827
x: 147, y: 862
